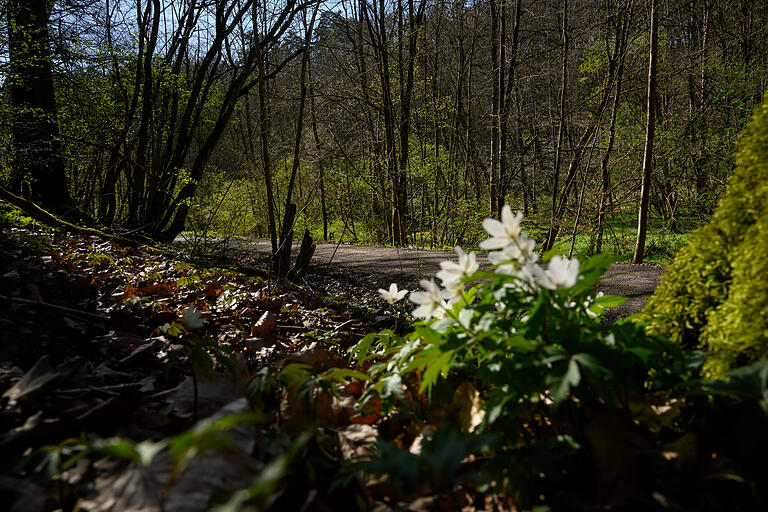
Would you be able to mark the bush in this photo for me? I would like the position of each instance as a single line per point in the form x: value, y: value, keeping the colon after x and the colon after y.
x: 715, y: 295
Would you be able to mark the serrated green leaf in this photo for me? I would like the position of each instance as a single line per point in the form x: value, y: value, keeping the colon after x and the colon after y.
x: 570, y: 379
x: 391, y: 385
x: 434, y: 369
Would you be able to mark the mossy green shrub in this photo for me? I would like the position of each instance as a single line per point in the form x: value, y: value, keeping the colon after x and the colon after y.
x: 715, y: 294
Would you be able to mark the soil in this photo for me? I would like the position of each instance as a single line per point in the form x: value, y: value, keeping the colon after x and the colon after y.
x: 357, y: 272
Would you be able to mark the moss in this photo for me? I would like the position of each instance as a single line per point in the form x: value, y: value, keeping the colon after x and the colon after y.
x: 715, y: 294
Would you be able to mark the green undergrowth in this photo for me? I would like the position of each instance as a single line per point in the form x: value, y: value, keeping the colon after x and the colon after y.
x: 508, y: 389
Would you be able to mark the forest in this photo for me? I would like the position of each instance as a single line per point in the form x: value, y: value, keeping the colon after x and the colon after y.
x: 384, y: 122
x: 151, y: 358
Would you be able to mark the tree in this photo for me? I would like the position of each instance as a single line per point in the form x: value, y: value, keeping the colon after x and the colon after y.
x: 37, y: 162
x: 650, y: 130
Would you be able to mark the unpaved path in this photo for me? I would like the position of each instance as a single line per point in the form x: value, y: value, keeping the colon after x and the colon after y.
x: 358, y: 271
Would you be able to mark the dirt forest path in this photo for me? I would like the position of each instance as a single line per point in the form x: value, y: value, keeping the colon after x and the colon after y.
x: 358, y: 271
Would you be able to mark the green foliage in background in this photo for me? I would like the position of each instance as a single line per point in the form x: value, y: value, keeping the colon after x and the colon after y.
x: 715, y: 295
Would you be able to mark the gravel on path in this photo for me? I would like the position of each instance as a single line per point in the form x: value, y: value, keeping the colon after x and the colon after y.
x: 358, y: 271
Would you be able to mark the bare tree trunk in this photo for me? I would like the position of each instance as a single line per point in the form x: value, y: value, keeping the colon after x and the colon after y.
x: 264, y: 130
x: 493, y: 171
x: 701, y: 176
x: 645, y: 185
x: 320, y: 163
x: 561, y: 127
x: 560, y: 199
x: 378, y: 32
x: 605, y: 177
x: 282, y: 260
x: 506, y: 100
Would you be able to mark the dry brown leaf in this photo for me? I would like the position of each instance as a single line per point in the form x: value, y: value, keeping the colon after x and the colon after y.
x: 470, y: 406
x: 213, y: 391
x: 159, y: 289
x: 357, y: 440
x: 266, y: 326
x: 37, y: 378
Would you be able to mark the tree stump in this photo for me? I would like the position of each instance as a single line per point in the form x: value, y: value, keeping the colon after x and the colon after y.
x: 304, y: 257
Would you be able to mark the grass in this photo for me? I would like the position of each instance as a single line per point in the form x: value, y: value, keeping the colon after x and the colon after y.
x: 618, y: 240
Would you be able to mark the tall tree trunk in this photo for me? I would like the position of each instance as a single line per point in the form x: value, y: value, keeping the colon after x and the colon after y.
x: 645, y: 184
x: 139, y: 171
x: 560, y: 199
x: 701, y: 175
x: 320, y: 162
x: 264, y: 129
x: 605, y: 177
x: 560, y: 128
x: 282, y: 261
x: 496, y: 44
x: 379, y: 39
x: 506, y: 93
x: 406, y: 92
x: 37, y: 160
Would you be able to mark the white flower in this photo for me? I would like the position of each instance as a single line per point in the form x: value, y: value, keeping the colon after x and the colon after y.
x: 512, y: 256
x: 440, y: 313
x: 453, y: 291
x: 393, y: 294
x: 502, y: 232
x: 191, y: 318
x: 452, y: 273
x: 561, y: 273
x: 430, y: 301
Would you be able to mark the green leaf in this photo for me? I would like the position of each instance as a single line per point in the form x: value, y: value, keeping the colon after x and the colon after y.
x: 434, y: 369
x: 341, y: 375
x: 591, y: 364
x: 570, y: 379
x: 119, y: 448
x: 208, y: 435
x: 266, y: 483
x: 519, y: 343
x: 361, y: 349
x: 391, y: 385
x: 295, y: 374
x: 609, y: 301
x: 642, y: 353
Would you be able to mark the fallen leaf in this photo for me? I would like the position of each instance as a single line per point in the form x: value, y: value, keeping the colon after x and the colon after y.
x: 213, y: 391
x: 159, y: 289
x: 357, y: 440
x: 212, y: 290
x: 133, y: 488
x: 37, y: 378
x: 266, y: 326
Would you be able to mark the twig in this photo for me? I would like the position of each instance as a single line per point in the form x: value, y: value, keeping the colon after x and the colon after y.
x: 336, y: 249
x: 83, y: 315
x: 341, y: 325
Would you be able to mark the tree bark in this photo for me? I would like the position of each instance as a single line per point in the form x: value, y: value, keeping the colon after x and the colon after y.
x: 645, y: 184
x: 37, y: 159
x: 286, y: 236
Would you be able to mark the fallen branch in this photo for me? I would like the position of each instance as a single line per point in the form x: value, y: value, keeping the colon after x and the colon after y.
x: 82, y: 315
x: 42, y: 215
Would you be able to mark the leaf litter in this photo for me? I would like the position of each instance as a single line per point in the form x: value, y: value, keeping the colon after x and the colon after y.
x: 114, y: 357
